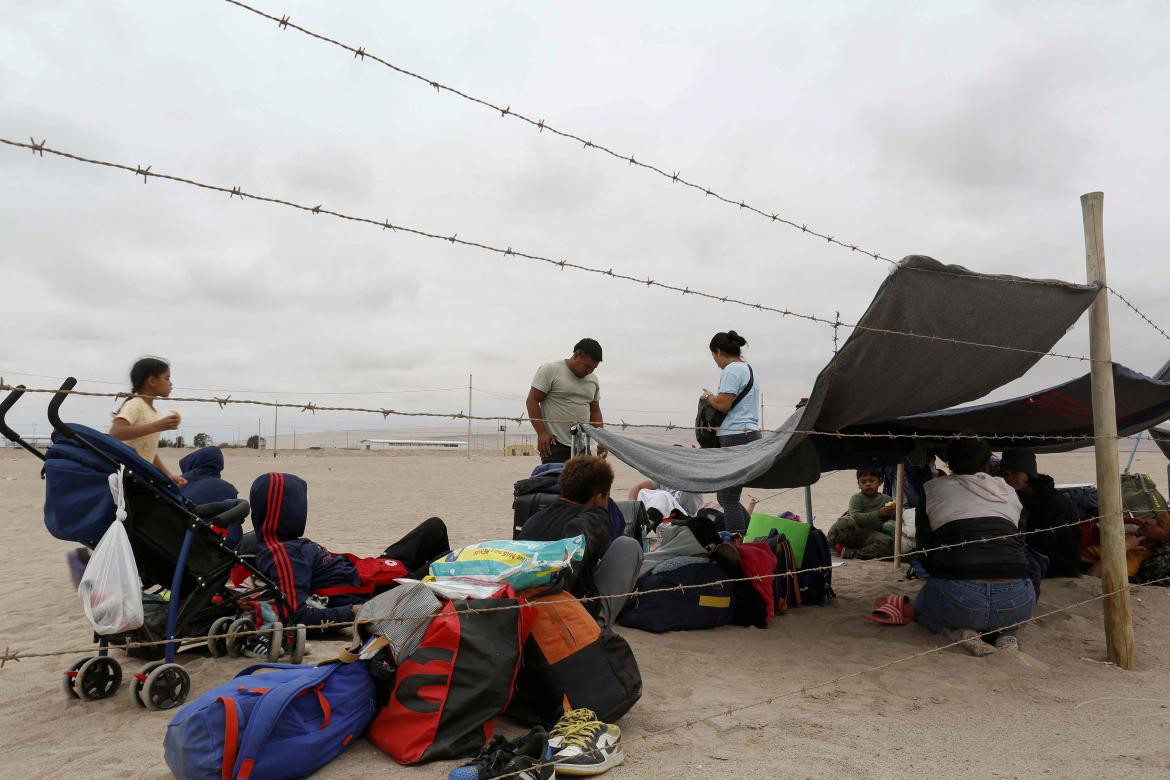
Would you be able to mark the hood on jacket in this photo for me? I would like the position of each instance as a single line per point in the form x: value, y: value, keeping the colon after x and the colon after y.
x: 202, y: 463
x: 987, y: 487
x: 280, y: 506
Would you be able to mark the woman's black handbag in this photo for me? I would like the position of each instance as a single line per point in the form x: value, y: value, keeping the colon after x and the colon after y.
x: 709, y: 418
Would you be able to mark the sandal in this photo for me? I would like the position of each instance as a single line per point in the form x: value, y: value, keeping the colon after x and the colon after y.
x: 892, y: 610
x: 1007, y: 643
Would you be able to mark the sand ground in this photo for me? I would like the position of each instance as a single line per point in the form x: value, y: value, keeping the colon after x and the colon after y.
x: 1055, y: 709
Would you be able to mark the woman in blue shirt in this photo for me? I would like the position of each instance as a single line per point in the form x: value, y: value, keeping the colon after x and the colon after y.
x: 742, y: 422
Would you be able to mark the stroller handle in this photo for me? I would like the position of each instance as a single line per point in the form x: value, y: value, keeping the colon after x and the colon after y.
x: 55, y: 407
x: 224, y: 513
x: 12, y: 436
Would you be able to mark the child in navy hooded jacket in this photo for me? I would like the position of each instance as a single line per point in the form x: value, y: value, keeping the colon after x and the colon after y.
x: 202, y: 469
x: 300, y: 567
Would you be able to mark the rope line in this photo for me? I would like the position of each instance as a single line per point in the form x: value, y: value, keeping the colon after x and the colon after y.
x: 17, y: 655
x: 506, y: 111
x: 314, y: 408
x: 385, y: 224
x: 1139, y: 313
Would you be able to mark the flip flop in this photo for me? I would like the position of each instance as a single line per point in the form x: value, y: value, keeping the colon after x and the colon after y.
x: 892, y: 610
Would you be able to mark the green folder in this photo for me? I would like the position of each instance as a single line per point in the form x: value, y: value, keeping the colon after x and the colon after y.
x: 797, y: 533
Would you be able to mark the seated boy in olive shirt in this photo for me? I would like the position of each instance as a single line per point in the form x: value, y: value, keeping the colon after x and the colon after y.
x: 860, y: 531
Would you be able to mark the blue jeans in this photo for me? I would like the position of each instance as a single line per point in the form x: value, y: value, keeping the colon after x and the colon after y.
x: 982, y: 606
x: 735, y: 516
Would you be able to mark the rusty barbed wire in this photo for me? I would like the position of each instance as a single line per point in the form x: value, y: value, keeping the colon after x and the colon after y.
x: 1139, y: 312
x: 499, y: 418
x: 40, y: 148
x: 17, y: 655
x: 362, y: 53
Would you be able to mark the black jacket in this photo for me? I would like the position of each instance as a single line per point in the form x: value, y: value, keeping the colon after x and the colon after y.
x: 563, y: 520
x: 999, y: 559
x: 1047, y: 507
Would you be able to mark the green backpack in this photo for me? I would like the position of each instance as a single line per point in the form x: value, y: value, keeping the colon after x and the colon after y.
x: 1140, y: 498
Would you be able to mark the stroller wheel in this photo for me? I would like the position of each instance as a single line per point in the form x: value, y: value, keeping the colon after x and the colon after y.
x: 235, y: 644
x: 166, y: 686
x: 217, y: 637
x: 97, y: 678
x: 276, y: 642
x: 138, y: 680
x: 297, y: 645
x: 70, y: 678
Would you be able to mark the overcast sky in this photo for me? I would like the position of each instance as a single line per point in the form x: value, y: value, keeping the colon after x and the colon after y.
x: 964, y: 131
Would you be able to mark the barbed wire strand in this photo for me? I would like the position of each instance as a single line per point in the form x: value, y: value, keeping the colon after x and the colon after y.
x: 147, y: 173
x: 853, y: 675
x: 363, y: 54
x: 1139, y: 313
x: 18, y: 655
x: 670, y: 426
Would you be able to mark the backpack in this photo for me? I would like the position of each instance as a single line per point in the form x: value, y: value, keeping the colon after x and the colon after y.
x: 285, y: 723
x: 816, y: 587
x: 708, y: 418
x: 447, y: 693
x: 570, y: 662
x: 1140, y: 498
x: 786, y: 584
x: 701, y: 604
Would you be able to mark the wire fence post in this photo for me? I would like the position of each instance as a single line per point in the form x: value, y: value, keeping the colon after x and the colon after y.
x: 1114, y: 577
x: 275, y: 422
x: 469, y: 413
x: 899, y: 498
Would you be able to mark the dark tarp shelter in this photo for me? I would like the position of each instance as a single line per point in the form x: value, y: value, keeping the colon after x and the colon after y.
x: 1063, y: 410
x: 879, y: 376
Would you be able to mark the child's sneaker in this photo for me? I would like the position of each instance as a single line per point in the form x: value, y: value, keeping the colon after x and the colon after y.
x: 583, y: 745
x: 525, y: 758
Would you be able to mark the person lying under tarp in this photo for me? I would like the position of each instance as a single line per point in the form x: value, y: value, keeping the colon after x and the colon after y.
x: 980, y: 582
x: 610, y: 566
x: 202, y: 469
x: 322, y: 586
x: 1044, y: 507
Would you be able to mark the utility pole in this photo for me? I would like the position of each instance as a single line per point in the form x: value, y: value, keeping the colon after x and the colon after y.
x: 275, y: 420
x: 469, y: 416
x: 294, y: 438
x: 1119, y: 641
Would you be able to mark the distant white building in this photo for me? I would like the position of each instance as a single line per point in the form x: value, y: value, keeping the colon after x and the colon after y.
x: 410, y: 444
x: 36, y: 441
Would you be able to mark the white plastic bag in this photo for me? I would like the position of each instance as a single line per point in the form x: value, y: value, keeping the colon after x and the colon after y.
x: 110, y: 590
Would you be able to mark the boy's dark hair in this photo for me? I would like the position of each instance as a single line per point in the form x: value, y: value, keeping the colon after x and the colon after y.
x: 729, y: 343
x: 584, y: 477
x: 588, y: 348
x: 144, y: 368
x: 967, y: 456
x: 870, y: 472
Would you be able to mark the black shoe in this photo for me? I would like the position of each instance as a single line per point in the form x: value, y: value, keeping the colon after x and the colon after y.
x: 526, y: 758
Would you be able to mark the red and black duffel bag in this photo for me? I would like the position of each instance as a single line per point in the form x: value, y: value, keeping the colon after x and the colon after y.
x: 569, y: 662
x: 447, y: 693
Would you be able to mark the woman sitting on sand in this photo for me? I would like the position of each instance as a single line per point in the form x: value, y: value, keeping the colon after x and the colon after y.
x: 979, y: 588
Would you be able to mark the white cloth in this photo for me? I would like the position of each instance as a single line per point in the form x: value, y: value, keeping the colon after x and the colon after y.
x: 963, y: 496
x: 662, y: 500
x: 691, y: 503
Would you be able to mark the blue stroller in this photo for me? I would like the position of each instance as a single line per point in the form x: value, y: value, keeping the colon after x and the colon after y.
x: 175, y: 549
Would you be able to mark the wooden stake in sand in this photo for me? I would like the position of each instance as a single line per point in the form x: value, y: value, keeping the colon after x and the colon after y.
x: 899, y: 498
x: 1114, y: 578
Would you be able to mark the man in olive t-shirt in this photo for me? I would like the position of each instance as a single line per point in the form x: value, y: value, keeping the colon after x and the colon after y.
x: 564, y: 391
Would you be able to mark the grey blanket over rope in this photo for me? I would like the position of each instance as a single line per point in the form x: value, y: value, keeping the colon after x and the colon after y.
x: 878, y: 376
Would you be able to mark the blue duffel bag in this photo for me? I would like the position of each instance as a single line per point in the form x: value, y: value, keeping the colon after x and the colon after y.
x: 272, y: 725
x: 704, y: 603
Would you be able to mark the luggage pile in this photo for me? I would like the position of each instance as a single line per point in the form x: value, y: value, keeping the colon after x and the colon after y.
x: 424, y: 681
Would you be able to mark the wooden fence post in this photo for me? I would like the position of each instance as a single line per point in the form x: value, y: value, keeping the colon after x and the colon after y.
x: 1114, y: 577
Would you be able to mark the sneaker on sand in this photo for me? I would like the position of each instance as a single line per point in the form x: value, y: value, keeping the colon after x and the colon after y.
x: 525, y: 758
x: 582, y: 745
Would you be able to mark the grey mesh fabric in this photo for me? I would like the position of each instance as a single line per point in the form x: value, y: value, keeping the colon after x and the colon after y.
x: 923, y: 296
x: 402, y: 615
